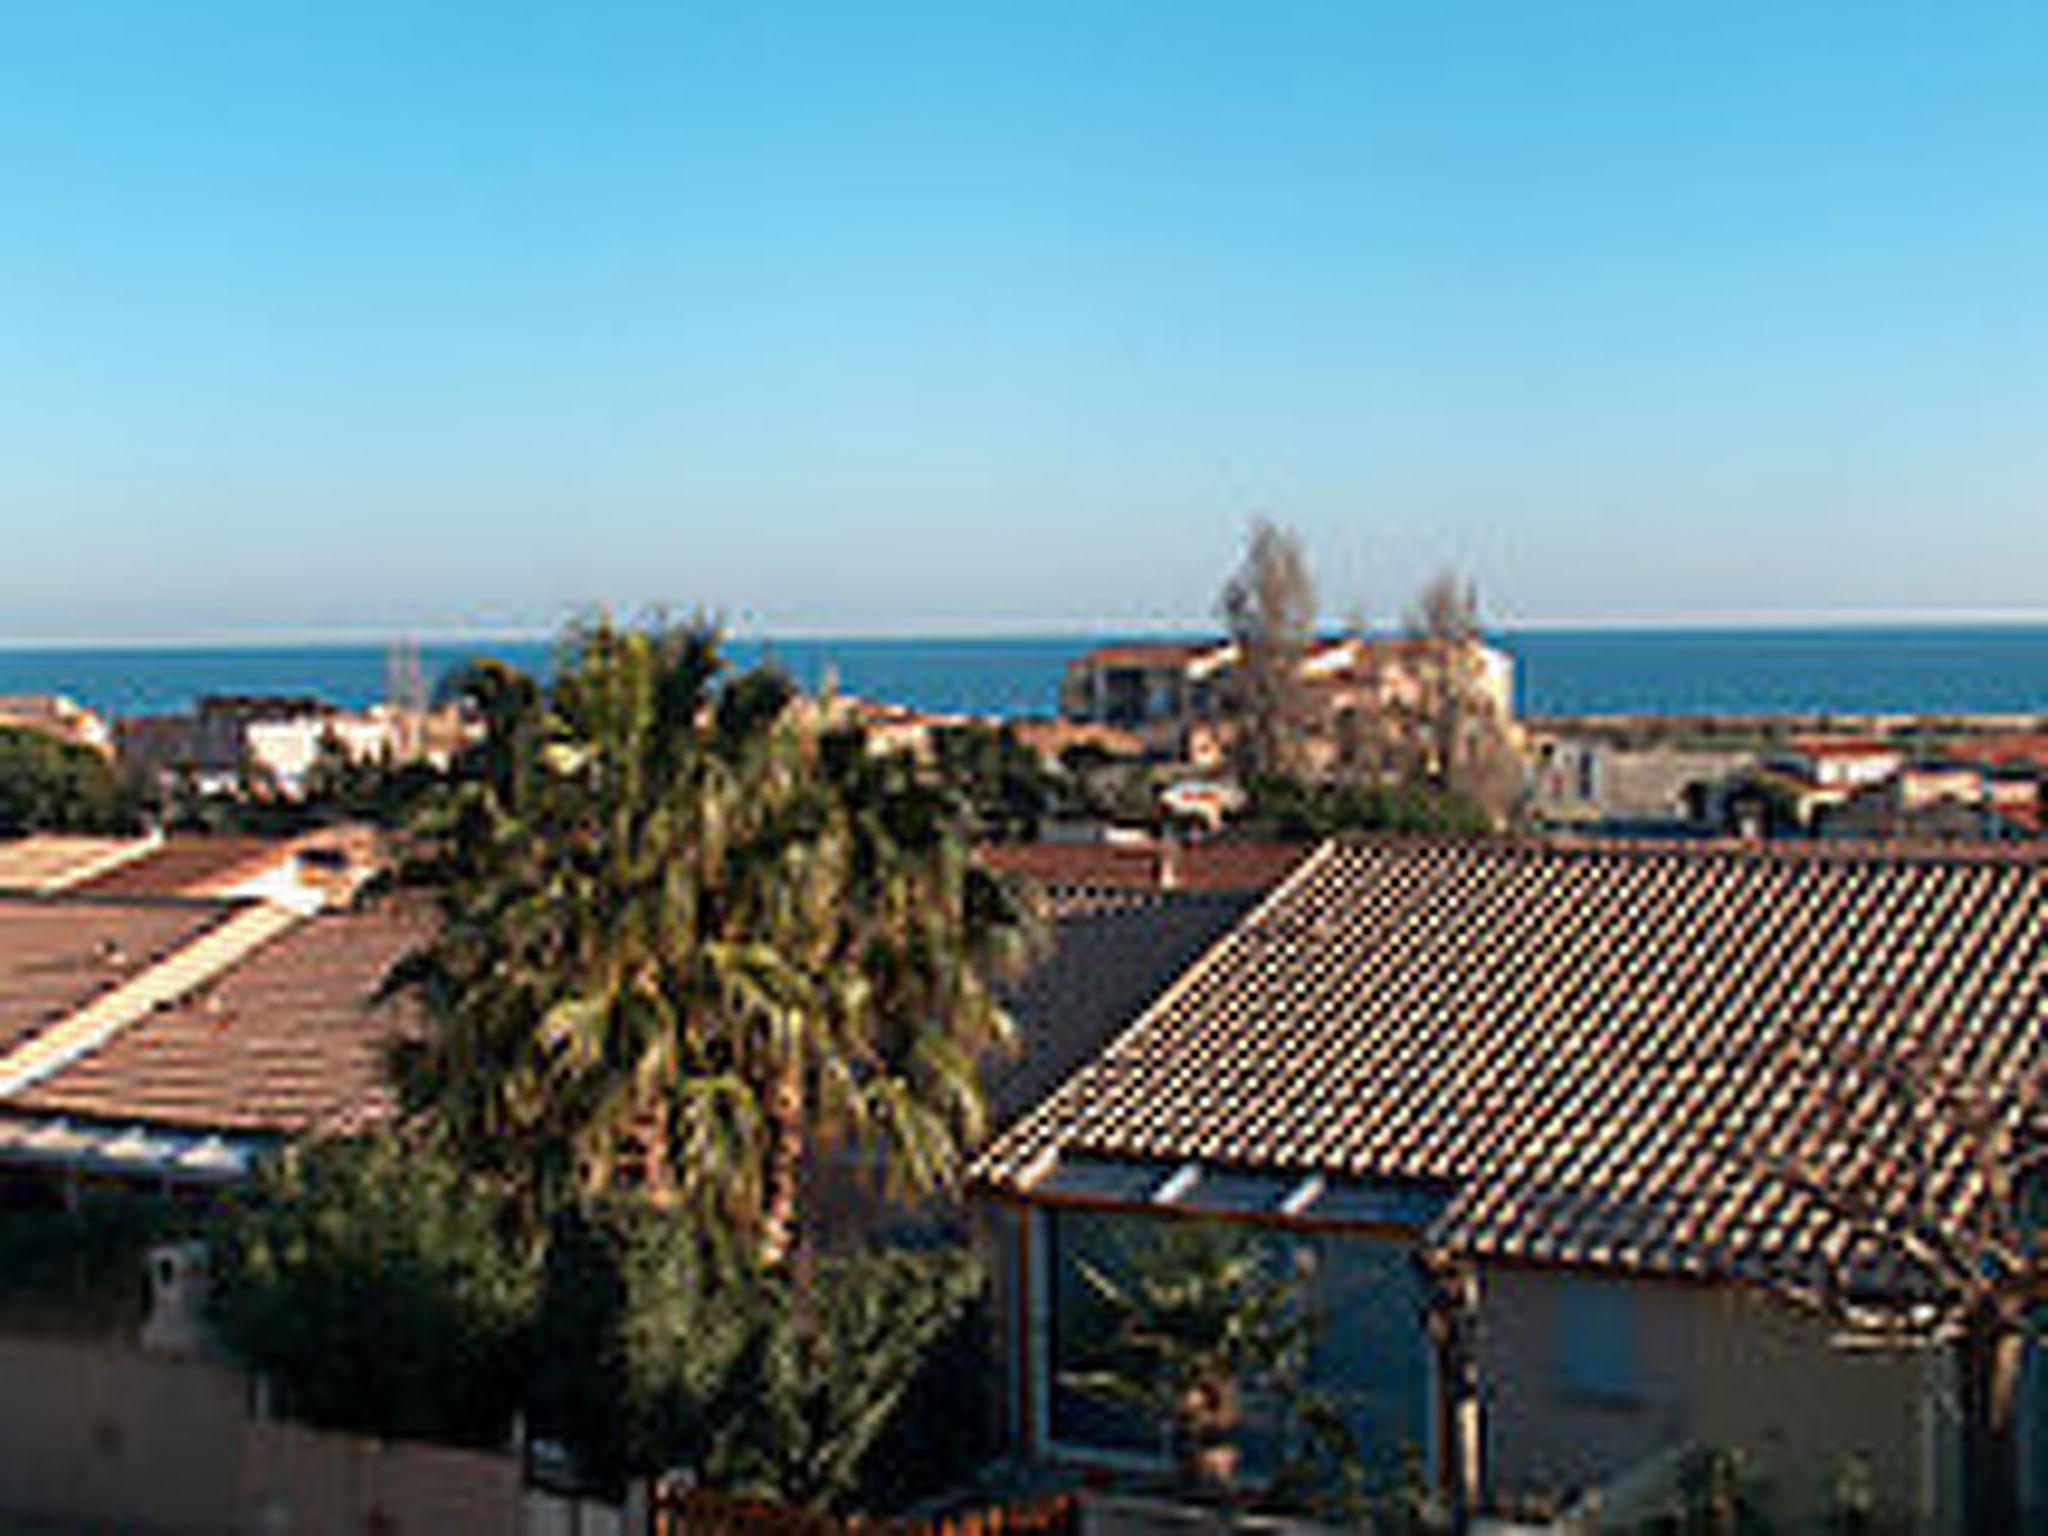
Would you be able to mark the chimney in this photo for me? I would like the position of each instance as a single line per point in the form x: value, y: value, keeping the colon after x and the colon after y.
x: 178, y: 1290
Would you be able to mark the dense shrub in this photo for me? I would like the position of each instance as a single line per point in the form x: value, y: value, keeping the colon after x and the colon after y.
x: 382, y: 1292
x: 58, y: 786
x: 649, y: 1356
x: 82, y: 1269
x: 637, y: 1328
x: 825, y: 1370
x: 375, y: 1287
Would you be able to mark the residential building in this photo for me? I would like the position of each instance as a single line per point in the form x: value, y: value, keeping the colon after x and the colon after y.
x: 2014, y: 765
x: 1126, y: 919
x: 1936, y: 799
x: 269, y: 745
x: 44, y: 863
x: 1814, y: 775
x: 206, y: 750
x: 1527, y: 1117
x: 1899, y: 787
x: 56, y: 716
x: 171, y: 1042
x: 174, y: 1041
x: 1173, y: 695
x: 1146, y: 863
x: 1053, y: 740
x: 1839, y: 764
x: 1591, y: 783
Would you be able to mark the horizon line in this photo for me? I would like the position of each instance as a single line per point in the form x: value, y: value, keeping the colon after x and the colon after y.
x: 1683, y: 622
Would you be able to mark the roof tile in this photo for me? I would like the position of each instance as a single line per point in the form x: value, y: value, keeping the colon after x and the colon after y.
x: 292, y: 1038
x: 1595, y: 1042
x: 57, y: 957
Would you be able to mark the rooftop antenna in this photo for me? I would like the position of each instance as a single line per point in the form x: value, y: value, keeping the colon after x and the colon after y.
x: 405, y: 692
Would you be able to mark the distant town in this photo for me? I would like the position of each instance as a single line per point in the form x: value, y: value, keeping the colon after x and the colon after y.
x: 1142, y: 744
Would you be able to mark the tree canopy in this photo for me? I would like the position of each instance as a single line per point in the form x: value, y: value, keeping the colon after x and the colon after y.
x: 1269, y: 612
x: 378, y: 1289
x: 694, y: 934
x: 373, y: 1287
x: 48, y: 785
x: 1461, y: 742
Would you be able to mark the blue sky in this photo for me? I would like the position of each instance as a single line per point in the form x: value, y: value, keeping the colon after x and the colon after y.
x: 998, y: 316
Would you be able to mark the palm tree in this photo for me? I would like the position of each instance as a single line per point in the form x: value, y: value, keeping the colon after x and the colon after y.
x: 692, y: 934
x: 1197, y: 1323
x: 545, y: 855
x: 861, y: 946
x: 931, y: 932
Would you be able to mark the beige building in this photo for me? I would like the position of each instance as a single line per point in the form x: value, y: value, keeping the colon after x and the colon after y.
x: 1536, y: 1121
x: 1585, y: 1376
x: 1173, y: 696
x: 1587, y: 781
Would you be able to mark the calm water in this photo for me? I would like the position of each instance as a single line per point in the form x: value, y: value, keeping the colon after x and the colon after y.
x: 1866, y: 670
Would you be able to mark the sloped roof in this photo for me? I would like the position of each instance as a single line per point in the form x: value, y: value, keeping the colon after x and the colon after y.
x: 2005, y: 749
x: 1147, y: 653
x: 52, y: 861
x: 290, y: 1038
x: 1210, y: 866
x: 1589, y: 1045
x: 56, y: 958
x: 197, y: 865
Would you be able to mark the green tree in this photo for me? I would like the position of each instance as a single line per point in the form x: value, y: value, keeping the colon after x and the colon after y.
x: 692, y: 937
x: 374, y: 1286
x: 822, y: 1377
x: 1293, y: 811
x: 48, y: 785
x: 649, y: 1355
x: 1008, y: 792
x: 1198, y: 1321
x: 637, y: 1330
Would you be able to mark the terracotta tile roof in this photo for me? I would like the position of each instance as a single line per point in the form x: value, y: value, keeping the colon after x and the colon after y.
x: 1587, y: 1044
x: 47, y: 861
x: 1216, y: 866
x: 54, y: 714
x: 57, y: 957
x: 289, y: 1039
x: 198, y: 865
x: 2007, y: 749
x: 1147, y: 653
x: 1844, y: 747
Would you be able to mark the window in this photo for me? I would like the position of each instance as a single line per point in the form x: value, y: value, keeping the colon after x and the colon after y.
x: 1077, y: 1241
x: 1370, y: 1357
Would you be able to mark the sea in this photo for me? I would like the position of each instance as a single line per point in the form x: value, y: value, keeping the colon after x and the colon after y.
x: 1917, y: 669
